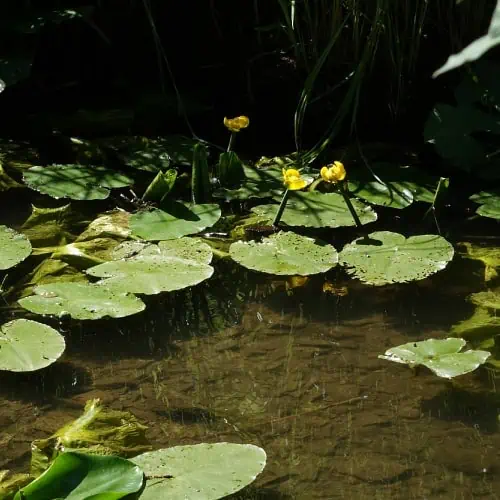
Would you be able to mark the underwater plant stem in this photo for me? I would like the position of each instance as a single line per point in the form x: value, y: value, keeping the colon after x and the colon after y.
x: 344, y: 193
x: 231, y: 142
x: 281, y: 208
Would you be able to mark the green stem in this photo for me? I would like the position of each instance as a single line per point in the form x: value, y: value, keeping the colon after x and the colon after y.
x: 281, y: 208
x: 231, y: 141
x: 344, y: 192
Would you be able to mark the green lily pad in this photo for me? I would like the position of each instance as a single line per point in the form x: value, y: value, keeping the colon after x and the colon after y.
x: 285, y: 253
x: 113, y: 224
x: 385, y: 257
x: 27, y: 345
x: 173, y: 266
x: 78, y: 182
x: 314, y: 209
x: 81, y: 301
x: 100, y: 430
x: 441, y: 356
x: 200, y: 472
x: 78, y: 476
x: 489, y: 203
x: 401, y: 185
x: 176, y: 220
x: 14, y: 247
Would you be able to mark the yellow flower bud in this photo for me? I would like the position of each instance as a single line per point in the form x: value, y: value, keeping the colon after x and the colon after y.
x: 292, y: 179
x: 335, y: 172
x: 236, y: 124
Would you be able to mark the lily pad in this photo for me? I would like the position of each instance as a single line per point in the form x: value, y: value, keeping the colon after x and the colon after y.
x: 401, y: 185
x: 285, y: 253
x: 200, y: 472
x: 176, y: 220
x: 78, y: 182
x: 100, y: 430
x: 489, y: 203
x: 27, y: 345
x: 314, y: 209
x: 441, y: 356
x: 78, y: 476
x: 177, y: 265
x: 14, y: 247
x: 81, y: 301
x: 384, y: 257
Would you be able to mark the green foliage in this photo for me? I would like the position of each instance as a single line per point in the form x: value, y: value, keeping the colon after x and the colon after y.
x: 78, y: 476
x: 441, y: 356
x: 314, y: 209
x: 78, y: 182
x: 230, y: 170
x: 160, y: 186
x: 384, y: 257
x: 200, y: 472
x: 477, y: 48
x: 174, y: 220
x: 172, y: 266
x: 201, y: 190
x: 98, y: 431
x: 489, y: 256
x: 285, y: 253
x: 453, y: 130
x: 14, y: 247
x: 489, y: 202
x: 81, y: 301
x: 395, y: 186
x: 27, y: 345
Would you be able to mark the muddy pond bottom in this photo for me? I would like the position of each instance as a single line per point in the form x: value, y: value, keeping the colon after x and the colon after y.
x: 299, y: 376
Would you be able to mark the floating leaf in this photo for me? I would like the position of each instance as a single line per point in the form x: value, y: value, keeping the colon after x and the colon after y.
x: 78, y: 476
x: 27, y: 345
x: 401, y: 185
x: 477, y: 48
x: 384, y: 257
x: 285, y: 253
x: 489, y: 203
x: 176, y: 220
x: 78, y: 182
x: 200, y: 472
x: 441, y: 356
x: 81, y: 301
x: 314, y: 209
x: 99, y: 430
x: 172, y: 267
x: 14, y: 247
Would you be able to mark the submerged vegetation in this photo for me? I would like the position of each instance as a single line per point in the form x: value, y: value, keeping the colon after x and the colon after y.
x: 120, y: 220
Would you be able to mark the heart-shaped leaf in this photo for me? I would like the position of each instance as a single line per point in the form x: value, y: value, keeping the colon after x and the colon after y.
x: 285, y: 253
x: 384, y: 257
x: 14, y: 247
x: 441, y: 356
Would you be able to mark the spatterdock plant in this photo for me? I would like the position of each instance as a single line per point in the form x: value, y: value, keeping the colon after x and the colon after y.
x: 293, y: 181
x: 335, y: 174
x: 234, y: 125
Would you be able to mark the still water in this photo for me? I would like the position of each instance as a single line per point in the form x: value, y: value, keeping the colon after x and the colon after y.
x: 295, y: 371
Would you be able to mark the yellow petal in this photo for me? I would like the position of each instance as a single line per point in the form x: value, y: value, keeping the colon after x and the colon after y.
x: 237, y: 123
x: 335, y: 172
x: 297, y: 184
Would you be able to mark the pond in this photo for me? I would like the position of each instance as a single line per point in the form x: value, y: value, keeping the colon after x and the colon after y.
x: 246, y: 359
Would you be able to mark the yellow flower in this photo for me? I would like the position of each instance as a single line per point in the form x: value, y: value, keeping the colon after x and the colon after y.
x: 236, y: 124
x: 335, y: 172
x: 292, y: 179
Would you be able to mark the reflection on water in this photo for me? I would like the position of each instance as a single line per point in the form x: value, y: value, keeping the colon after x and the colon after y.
x: 296, y: 373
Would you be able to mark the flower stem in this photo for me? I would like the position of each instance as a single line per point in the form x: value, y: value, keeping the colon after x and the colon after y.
x: 281, y: 208
x: 231, y: 141
x: 344, y: 192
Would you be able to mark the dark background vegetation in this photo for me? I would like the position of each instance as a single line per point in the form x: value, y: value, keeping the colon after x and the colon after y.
x: 227, y: 58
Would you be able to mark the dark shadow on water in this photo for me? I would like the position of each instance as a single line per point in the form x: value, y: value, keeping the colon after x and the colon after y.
x: 188, y: 416
x: 255, y: 493
x: 474, y: 409
x: 60, y: 380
